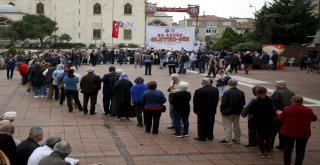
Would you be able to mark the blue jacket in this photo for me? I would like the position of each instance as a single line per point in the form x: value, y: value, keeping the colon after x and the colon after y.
x: 153, y: 98
x: 11, y: 62
x: 70, y: 83
x: 137, y: 91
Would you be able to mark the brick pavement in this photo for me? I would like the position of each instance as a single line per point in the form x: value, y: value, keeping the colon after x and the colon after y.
x: 102, y: 139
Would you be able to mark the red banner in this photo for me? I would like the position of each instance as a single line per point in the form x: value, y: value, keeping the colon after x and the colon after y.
x: 115, y: 29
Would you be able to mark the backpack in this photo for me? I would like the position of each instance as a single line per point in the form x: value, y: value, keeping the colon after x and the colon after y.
x: 171, y: 60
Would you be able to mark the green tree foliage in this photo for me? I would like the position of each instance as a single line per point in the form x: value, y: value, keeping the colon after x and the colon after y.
x: 228, y: 39
x: 65, y: 37
x: 285, y: 22
x: 33, y: 27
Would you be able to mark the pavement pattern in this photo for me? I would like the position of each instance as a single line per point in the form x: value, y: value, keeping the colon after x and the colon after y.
x: 105, y: 140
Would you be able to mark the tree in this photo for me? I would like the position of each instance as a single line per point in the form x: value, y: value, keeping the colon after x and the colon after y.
x: 65, y: 37
x: 285, y: 22
x: 228, y: 39
x: 33, y: 27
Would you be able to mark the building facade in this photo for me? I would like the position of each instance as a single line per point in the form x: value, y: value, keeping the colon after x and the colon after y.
x: 88, y: 21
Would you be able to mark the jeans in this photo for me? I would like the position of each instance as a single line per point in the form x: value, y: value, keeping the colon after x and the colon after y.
x: 36, y: 90
x: 56, y: 92
x: 147, y: 68
x: 181, y: 68
x: 62, y: 96
x: 300, y: 149
x: 106, y: 103
x: 202, y: 67
x: 221, y: 90
x: 10, y: 72
x: 138, y: 107
x: 172, y: 69
x: 161, y: 63
x: 177, y: 117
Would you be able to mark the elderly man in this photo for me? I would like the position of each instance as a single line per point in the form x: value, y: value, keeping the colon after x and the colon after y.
x: 46, y: 150
x: 106, y: 99
x: 173, y: 86
x: 60, y: 151
x: 26, y: 147
x: 231, y: 106
x: 90, y: 85
x: 205, y: 101
x: 281, y: 98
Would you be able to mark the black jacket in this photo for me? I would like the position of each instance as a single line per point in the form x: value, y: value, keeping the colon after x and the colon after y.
x: 90, y: 84
x: 233, y: 101
x: 180, y: 101
x: 205, y: 100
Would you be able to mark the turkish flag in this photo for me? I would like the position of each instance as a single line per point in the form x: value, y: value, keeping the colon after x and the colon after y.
x: 115, y: 29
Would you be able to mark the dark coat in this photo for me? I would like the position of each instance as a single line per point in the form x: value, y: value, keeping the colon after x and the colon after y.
x: 263, y: 112
x: 106, y: 81
x: 10, y: 62
x: 233, y: 101
x: 8, y: 146
x: 180, y: 101
x: 24, y: 150
x: 122, y: 90
x: 247, y: 59
x: 36, y: 77
x: 205, y: 100
x: 90, y: 84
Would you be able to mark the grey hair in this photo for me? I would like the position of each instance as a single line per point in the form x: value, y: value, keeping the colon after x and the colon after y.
x: 232, y: 82
x: 174, y: 75
x: 63, y: 148
x: 52, y: 140
x: 34, y: 131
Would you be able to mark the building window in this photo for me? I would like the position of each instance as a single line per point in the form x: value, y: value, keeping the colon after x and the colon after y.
x: 79, y: 23
x: 127, y: 34
x: 79, y: 11
x: 40, y: 8
x: 97, y: 8
x: 128, y: 8
x: 226, y: 23
x: 96, y: 34
x: 79, y: 35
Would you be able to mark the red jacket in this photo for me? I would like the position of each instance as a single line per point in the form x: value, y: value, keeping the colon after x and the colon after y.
x: 296, y: 121
x: 23, y: 69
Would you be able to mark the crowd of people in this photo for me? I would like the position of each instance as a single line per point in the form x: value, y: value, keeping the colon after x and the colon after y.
x: 267, y: 115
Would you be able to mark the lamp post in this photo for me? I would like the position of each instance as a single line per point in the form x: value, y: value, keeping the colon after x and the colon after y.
x: 101, y: 25
x: 255, y: 9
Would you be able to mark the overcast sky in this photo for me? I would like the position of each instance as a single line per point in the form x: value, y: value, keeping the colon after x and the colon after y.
x: 221, y: 8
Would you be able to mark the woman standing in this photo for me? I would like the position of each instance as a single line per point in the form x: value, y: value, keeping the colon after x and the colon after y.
x: 37, y: 80
x: 220, y: 85
x: 122, y: 95
x: 264, y: 113
x: 181, y: 109
x: 71, y: 90
x: 136, y: 93
x: 296, y: 120
x: 153, y: 100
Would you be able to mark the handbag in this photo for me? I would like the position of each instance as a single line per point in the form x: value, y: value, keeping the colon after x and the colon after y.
x: 163, y: 108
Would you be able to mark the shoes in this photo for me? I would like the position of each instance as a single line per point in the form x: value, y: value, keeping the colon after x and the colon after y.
x: 185, y: 135
x: 199, y: 139
x: 85, y: 113
x: 224, y: 142
x: 249, y: 146
x: 107, y: 113
x: 171, y: 127
x: 210, y: 139
x: 268, y: 156
x: 36, y: 97
x: 70, y: 110
x: 235, y: 141
x: 42, y: 96
x: 93, y: 113
x: 177, y: 135
x: 150, y: 74
x: 262, y: 155
x: 279, y: 147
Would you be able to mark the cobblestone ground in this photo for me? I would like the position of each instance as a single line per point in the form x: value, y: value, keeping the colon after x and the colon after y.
x: 102, y: 139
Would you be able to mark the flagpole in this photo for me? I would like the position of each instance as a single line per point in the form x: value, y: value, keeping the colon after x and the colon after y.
x: 112, y: 20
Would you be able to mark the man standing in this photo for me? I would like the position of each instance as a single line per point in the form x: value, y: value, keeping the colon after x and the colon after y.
x: 172, y: 63
x: 231, y: 106
x: 281, y: 98
x: 26, y: 147
x: 147, y: 60
x: 275, y: 59
x: 11, y: 64
x: 162, y: 56
x: 175, y: 81
x: 184, y: 58
x: 247, y: 61
x: 106, y: 89
x: 205, y: 101
x: 90, y: 85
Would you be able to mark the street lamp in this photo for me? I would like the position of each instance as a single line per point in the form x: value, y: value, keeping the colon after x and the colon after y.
x: 101, y: 24
x: 255, y: 9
